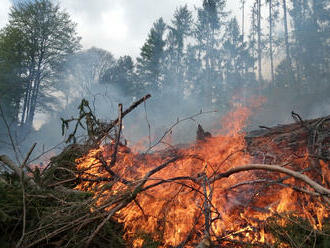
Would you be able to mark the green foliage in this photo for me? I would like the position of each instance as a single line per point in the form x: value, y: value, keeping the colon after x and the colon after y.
x: 311, y: 47
x: 92, y: 124
x: 149, y: 64
x: 41, y: 36
x: 121, y: 75
x: 56, y: 215
x: 83, y: 70
x: 175, y: 55
x: 297, y: 232
x: 11, y: 63
x: 237, y: 61
x: 148, y: 241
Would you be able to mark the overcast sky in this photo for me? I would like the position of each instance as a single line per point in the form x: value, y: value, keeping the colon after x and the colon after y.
x: 119, y: 26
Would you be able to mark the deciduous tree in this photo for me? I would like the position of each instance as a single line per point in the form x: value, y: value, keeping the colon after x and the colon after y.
x: 48, y: 35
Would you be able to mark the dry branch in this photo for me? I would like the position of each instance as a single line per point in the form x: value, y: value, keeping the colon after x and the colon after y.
x: 17, y: 169
x: 276, y: 168
x: 115, y: 122
x: 114, y: 154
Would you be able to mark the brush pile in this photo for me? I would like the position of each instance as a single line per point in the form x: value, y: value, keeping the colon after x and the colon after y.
x: 267, y: 188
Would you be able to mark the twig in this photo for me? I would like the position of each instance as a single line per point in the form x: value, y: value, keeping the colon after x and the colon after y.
x: 111, y: 172
x: 125, y: 201
x: 267, y: 181
x: 175, y: 124
x: 115, y: 122
x: 114, y: 154
x: 99, y: 227
x: 206, y: 205
x: 19, y: 243
x: 268, y: 128
x: 148, y: 123
x: 9, y: 134
x: 190, y: 234
x: 14, y: 167
x: 242, y: 243
x: 28, y: 155
x: 297, y: 118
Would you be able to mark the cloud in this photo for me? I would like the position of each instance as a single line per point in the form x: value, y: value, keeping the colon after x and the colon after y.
x: 119, y: 26
x: 4, y: 8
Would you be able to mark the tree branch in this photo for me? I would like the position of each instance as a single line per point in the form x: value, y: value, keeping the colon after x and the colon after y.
x: 317, y: 187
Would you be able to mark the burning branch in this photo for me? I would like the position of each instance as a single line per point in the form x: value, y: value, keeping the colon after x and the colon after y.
x: 204, y: 182
x: 322, y: 191
x: 183, y: 197
x: 123, y: 202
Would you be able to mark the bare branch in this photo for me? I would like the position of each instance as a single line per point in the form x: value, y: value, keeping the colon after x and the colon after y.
x: 132, y: 107
x: 114, y: 154
x: 317, y: 187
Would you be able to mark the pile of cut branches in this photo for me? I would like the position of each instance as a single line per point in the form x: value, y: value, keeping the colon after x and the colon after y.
x: 42, y: 208
x: 45, y: 209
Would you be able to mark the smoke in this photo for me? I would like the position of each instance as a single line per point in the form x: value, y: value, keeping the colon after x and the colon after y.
x: 168, y: 105
x: 146, y: 124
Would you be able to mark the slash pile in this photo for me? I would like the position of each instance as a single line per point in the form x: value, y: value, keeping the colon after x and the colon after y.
x: 268, y: 188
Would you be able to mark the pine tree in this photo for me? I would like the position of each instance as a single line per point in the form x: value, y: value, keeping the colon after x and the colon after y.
x: 122, y: 76
x: 237, y: 60
x: 193, y: 72
x: 311, y: 32
x: 179, y: 30
x: 149, y: 64
x: 271, y: 25
x: 286, y: 36
x: 243, y: 18
x: 259, y: 34
x: 207, y: 33
x: 253, y: 34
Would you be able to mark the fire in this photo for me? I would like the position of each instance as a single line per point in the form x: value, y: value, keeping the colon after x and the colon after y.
x: 181, y: 203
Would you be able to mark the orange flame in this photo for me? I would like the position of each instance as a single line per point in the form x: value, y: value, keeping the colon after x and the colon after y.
x: 174, y: 210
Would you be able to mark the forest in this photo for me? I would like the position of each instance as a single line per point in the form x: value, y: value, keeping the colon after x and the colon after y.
x: 63, y: 106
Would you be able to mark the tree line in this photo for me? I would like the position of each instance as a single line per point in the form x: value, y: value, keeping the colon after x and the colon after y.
x: 204, y: 54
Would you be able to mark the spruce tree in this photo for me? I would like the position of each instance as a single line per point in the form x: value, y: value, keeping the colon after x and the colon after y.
x: 149, y: 64
x: 179, y: 30
x: 208, y: 35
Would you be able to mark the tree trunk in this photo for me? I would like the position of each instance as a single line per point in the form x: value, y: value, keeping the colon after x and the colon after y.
x: 286, y: 37
x: 243, y: 15
x: 26, y: 102
x: 36, y: 88
x: 259, y: 38
x: 27, y: 95
x: 253, y: 34
x: 34, y: 97
x: 271, y: 41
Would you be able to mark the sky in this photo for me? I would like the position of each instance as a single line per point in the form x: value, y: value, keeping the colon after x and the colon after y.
x: 119, y: 26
